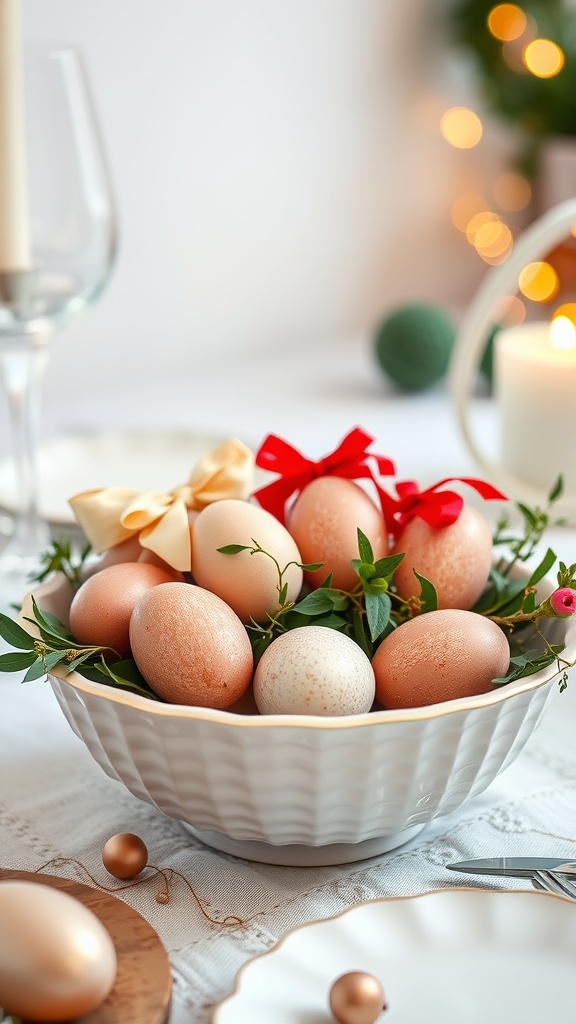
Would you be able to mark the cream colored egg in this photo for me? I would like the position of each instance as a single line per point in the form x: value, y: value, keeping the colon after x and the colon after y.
x: 57, y: 960
x: 248, y: 583
x: 455, y: 558
x: 438, y: 656
x: 190, y: 646
x: 324, y: 522
x: 313, y: 670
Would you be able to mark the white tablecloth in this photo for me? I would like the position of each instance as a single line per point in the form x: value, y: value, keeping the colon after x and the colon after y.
x: 55, y: 802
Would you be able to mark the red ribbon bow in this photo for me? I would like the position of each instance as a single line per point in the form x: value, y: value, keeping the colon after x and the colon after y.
x: 348, y: 460
x: 437, y: 508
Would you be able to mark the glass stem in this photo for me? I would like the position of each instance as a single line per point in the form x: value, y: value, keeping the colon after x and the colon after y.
x: 21, y: 371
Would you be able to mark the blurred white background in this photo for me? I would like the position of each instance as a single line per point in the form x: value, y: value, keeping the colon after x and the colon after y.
x: 280, y: 175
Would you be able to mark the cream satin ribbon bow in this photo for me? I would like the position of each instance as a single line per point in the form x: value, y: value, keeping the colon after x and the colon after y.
x: 114, y: 514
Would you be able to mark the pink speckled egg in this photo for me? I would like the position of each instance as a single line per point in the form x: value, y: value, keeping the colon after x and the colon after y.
x: 438, y: 656
x: 191, y: 647
x: 455, y: 558
x: 324, y: 522
x: 101, y: 608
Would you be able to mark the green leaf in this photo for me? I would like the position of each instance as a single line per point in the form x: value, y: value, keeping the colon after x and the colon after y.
x: 364, y: 547
x: 233, y: 549
x: 378, y: 609
x: 557, y: 490
x: 35, y: 671
x: 283, y: 594
x: 316, y: 603
x: 360, y: 634
x: 126, y: 676
x: 52, y: 659
x: 528, y: 514
x: 310, y: 566
x: 428, y: 595
x: 15, y: 635
x: 541, y: 570
x: 386, y: 567
x: 333, y: 621
x: 15, y: 662
x: 366, y: 571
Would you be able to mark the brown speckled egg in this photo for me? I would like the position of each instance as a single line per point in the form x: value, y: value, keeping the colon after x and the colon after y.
x: 101, y: 608
x: 439, y: 656
x: 191, y: 647
x: 249, y: 583
x: 455, y: 558
x: 324, y: 522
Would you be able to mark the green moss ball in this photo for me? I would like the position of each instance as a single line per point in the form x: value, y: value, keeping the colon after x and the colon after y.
x: 413, y: 345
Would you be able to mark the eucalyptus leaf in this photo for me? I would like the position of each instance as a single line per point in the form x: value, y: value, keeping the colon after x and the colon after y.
x: 386, y: 567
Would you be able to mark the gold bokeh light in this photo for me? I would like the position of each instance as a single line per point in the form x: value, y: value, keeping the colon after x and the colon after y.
x: 465, y: 207
x: 510, y: 311
x: 461, y: 127
x: 568, y: 311
x: 543, y: 58
x: 506, y: 22
x: 539, y: 282
x: 512, y: 192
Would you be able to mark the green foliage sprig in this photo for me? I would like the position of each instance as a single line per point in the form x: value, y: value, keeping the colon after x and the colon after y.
x: 56, y: 647
x: 59, y: 557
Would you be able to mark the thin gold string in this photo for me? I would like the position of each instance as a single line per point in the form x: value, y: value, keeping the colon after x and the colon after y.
x: 163, y: 896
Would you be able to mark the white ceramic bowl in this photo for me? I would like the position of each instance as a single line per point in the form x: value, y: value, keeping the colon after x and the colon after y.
x: 289, y: 789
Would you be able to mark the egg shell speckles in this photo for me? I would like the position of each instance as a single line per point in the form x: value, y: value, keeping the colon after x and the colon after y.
x: 247, y: 583
x: 324, y: 521
x: 314, y: 670
x: 455, y: 558
x: 101, y: 608
x: 439, y: 656
x: 191, y: 647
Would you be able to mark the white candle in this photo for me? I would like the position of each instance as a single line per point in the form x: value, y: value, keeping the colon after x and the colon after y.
x: 14, y: 229
x: 535, y: 386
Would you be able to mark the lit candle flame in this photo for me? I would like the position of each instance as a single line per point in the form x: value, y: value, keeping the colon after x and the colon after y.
x: 562, y: 333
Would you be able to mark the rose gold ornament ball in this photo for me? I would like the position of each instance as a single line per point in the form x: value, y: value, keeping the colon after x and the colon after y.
x: 357, y: 998
x: 125, y: 855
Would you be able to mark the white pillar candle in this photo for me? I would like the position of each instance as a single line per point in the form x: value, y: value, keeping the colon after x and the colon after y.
x: 535, y: 387
x: 14, y: 229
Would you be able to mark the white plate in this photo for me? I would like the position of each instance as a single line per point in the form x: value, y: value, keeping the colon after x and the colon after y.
x: 156, y: 461
x: 455, y: 956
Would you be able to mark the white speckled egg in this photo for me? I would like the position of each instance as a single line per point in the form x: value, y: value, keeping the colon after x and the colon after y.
x: 248, y: 583
x: 324, y: 522
x: 314, y: 670
x: 455, y: 558
x: 438, y: 656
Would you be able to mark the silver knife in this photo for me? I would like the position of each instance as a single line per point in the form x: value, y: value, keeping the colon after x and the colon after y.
x: 519, y: 867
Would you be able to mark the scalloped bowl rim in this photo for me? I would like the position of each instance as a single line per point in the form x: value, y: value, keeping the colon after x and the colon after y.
x: 259, y: 721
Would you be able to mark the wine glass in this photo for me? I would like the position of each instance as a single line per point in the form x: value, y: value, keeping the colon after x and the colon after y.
x: 57, y: 259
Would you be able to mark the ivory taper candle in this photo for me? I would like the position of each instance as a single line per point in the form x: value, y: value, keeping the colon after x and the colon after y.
x: 14, y: 214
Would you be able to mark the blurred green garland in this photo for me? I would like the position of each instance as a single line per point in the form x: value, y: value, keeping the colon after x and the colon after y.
x: 538, y: 107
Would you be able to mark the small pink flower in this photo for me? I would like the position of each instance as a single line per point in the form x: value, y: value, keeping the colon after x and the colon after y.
x: 563, y: 601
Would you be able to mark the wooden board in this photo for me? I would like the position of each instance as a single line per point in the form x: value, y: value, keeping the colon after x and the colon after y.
x: 141, y: 993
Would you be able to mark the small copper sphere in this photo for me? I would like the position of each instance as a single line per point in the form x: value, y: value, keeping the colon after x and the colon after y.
x: 125, y: 855
x: 357, y: 998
